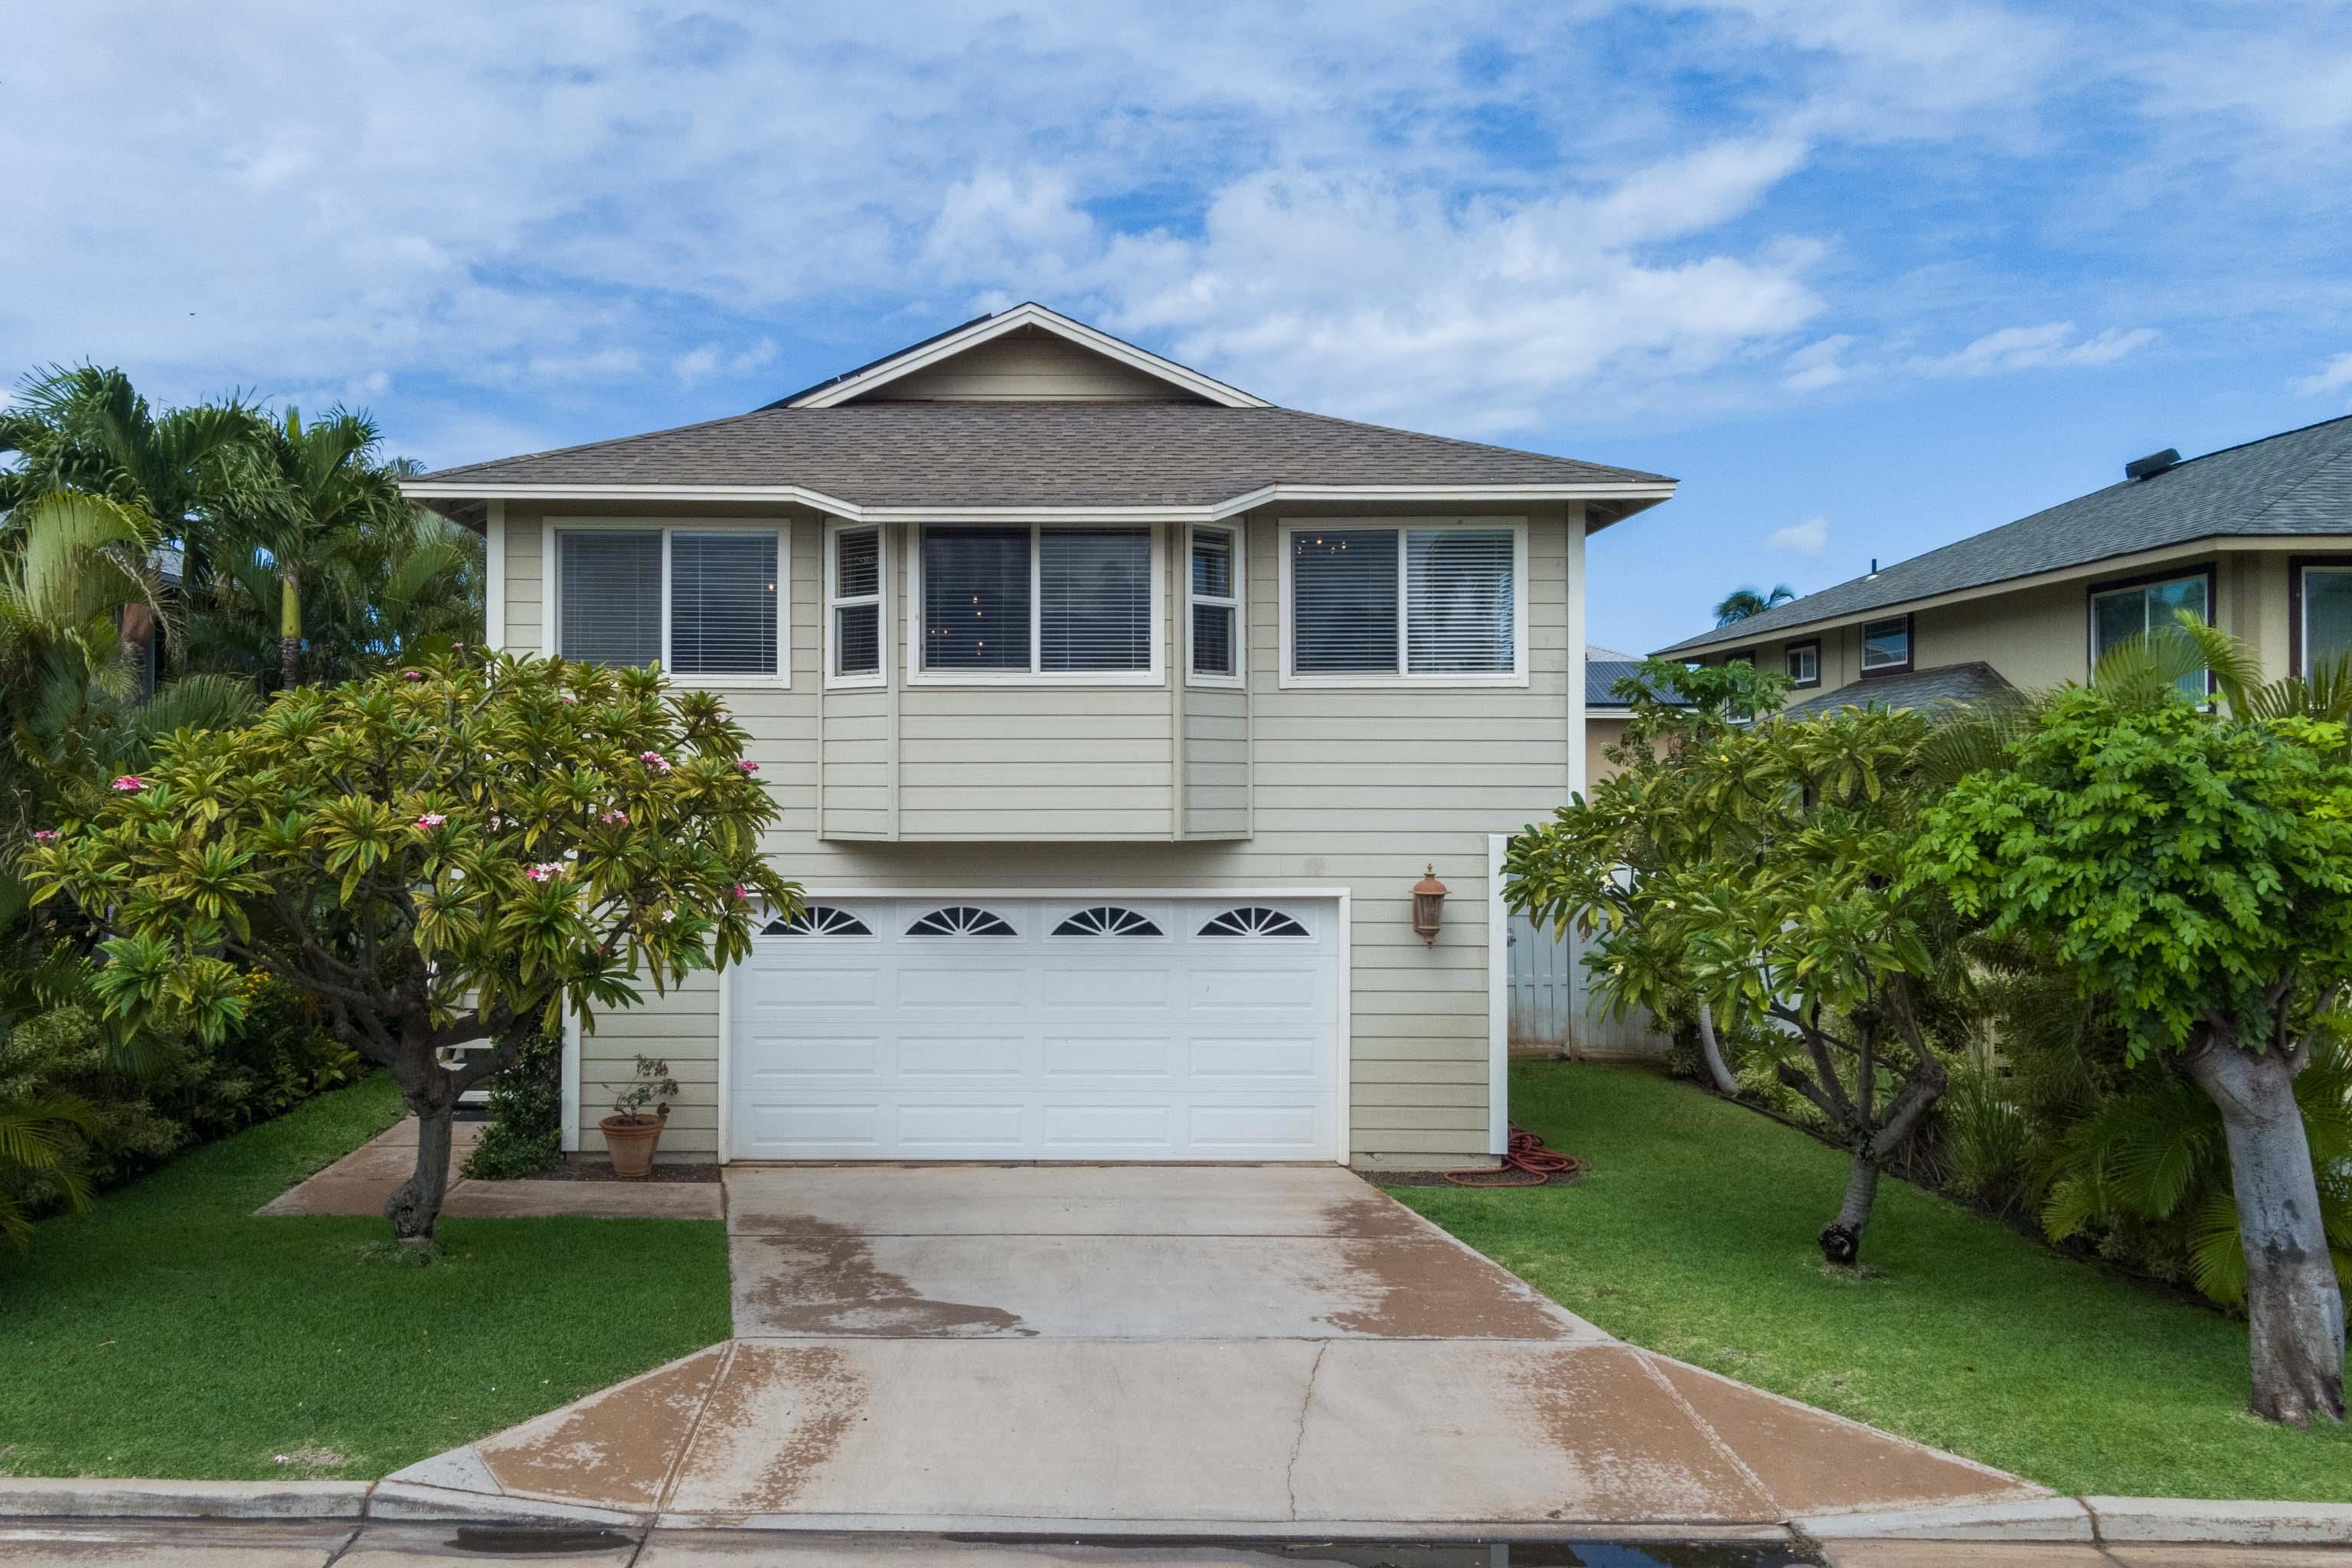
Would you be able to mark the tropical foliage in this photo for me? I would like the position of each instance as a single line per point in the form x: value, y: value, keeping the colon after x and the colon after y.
x: 1759, y: 864
x: 1742, y: 603
x: 2191, y: 872
x: 458, y: 851
x: 148, y: 560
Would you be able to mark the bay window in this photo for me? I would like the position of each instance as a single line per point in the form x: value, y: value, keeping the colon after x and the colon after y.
x: 698, y: 601
x: 853, y: 605
x: 1062, y: 603
x: 1438, y: 602
x: 1214, y: 617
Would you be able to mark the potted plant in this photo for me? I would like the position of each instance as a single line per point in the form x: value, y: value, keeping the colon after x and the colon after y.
x: 633, y: 1130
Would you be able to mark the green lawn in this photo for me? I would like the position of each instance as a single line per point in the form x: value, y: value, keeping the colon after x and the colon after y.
x: 1694, y: 1236
x: 169, y: 1332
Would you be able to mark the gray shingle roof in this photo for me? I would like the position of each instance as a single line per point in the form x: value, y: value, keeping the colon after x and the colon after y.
x: 2298, y: 483
x: 1033, y: 454
x: 1603, y: 668
x: 1971, y: 682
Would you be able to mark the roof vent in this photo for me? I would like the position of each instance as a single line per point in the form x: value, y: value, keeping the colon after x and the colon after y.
x: 2155, y: 463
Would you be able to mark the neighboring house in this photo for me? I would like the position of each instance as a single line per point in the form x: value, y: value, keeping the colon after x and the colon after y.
x: 2257, y: 539
x: 1606, y: 713
x: 1115, y: 715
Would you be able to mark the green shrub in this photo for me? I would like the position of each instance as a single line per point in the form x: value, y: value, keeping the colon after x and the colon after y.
x: 526, y: 1131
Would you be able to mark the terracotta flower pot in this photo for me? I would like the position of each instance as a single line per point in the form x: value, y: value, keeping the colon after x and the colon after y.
x: 630, y: 1140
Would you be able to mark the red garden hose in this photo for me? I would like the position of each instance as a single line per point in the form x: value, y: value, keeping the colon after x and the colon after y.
x: 1526, y: 1162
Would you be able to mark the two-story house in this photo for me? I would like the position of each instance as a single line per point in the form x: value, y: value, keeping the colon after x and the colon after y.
x: 2255, y: 539
x: 1115, y: 716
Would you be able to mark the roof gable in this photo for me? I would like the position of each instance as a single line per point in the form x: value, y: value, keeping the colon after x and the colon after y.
x: 1026, y: 353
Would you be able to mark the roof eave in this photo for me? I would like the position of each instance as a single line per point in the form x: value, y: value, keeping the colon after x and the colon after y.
x: 1629, y: 496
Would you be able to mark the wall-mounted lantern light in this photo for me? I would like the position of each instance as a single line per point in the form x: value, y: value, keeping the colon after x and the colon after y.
x: 1428, y: 904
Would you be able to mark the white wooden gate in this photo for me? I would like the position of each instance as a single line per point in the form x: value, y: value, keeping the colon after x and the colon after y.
x: 1552, y: 1006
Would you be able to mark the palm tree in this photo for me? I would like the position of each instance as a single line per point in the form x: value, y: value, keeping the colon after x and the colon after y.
x: 297, y: 497
x: 1742, y: 603
x: 87, y: 430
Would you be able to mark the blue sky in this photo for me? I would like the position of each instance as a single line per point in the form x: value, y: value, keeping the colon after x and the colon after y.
x: 1867, y: 278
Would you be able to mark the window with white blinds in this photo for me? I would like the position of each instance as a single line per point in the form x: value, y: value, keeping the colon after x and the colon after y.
x: 1047, y: 601
x: 723, y: 603
x: 1459, y: 599
x: 1215, y: 589
x: 700, y: 601
x: 608, y: 599
x: 1412, y: 602
x: 855, y: 590
x: 1094, y: 598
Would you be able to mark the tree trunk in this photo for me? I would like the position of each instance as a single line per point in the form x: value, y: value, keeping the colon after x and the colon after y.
x: 289, y: 632
x: 415, y: 1207
x: 1724, y: 1082
x: 2293, y: 1306
x: 1840, y: 1239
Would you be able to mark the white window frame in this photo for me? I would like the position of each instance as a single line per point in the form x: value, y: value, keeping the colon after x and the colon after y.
x: 550, y: 566
x: 1910, y: 645
x: 1157, y: 675
x: 880, y: 599
x: 1289, y: 674
x: 1238, y: 535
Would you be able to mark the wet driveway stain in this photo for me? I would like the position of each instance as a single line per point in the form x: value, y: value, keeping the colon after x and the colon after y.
x: 614, y: 1447
x: 823, y: 1280
x: 811, y: 1393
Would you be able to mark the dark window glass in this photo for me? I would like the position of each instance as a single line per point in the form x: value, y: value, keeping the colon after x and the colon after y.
x: 1343, y: 585
x: 976, y: 598
x: 1094, y: 588
x: 609, y: 598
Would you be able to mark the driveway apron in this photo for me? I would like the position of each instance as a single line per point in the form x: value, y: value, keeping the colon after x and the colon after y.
x: 1157, y: 1348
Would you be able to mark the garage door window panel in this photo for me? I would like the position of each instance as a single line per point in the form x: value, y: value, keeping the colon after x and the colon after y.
x: 1254, y: 920
x: 818, y: 920
x: 961, y: 919
x: 1107, y: 920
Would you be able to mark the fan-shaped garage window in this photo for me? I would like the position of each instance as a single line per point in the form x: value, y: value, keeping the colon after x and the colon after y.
x: 817, y: 920
x: 1254, y: 919
x: 960, y: 920
x: 1107, y: 920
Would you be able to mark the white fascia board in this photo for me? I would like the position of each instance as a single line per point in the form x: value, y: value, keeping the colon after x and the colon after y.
x: 1030, y: 315
x: 1215, y: 511
x: 2087, y: 571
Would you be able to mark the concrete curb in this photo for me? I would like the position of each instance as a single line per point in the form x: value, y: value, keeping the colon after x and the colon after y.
x: 100, y: 1498
x: 2088, y: 1520
x: 2076, y: 1521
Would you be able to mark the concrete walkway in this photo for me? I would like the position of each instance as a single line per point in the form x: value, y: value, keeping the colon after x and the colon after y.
x: 359, y: 1182
x: 1146, y: 1350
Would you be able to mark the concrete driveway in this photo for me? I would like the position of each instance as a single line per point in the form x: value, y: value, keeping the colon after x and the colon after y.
x: 1167, y: 1349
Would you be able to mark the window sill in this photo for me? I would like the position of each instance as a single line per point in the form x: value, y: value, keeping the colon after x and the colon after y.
x: 1885, y: 669
x: 1065, y: 678
x: 1218, y: 682
x: 855, y: 683
x: 1399, y: 682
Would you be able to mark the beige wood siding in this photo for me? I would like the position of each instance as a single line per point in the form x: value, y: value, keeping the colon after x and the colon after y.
x: 526, y: 583
x: 1028, y: 365
x: 1354, y: 790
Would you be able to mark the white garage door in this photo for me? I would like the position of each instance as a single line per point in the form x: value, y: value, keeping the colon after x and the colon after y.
x: 978, y: 1028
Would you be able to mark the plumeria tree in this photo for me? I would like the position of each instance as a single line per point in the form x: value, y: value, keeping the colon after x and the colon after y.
x: 455, y: 852
x: 1758, y: 867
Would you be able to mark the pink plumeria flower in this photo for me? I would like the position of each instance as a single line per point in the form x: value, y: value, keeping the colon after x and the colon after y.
x: 45, y: 836
x: 612, y: 818
x: 739, y: 892
x: 749, y: 768
x: 544, y: 869
x: 128, y: 784
x: 569, y: 697
x: 431, y: 820
x: 654, y: 761
x: 411, y: 675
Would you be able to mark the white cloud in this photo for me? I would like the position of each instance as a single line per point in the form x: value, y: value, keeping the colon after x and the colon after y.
x: 1808, y: 538
x: 2052, y: 345
x: 1821, y: 364
x: 698, y: 366
x: 2332, y: 376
